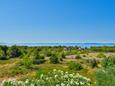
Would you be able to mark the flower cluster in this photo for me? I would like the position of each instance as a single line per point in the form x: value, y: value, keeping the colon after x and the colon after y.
x: 54, y: 78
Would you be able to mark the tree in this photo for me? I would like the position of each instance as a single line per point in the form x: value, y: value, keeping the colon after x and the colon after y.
x: 2, y: 55
x: 4, y: 49
x: 37, y: 58
x: 54, y: 59
x: 14, y: 52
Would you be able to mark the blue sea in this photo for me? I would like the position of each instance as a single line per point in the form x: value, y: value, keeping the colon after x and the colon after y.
x: 60, y: 44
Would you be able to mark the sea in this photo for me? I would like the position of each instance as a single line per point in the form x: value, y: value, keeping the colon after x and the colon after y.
x: 60, y: 44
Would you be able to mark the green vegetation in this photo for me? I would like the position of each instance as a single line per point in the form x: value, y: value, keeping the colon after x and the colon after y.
x: 23, y: 63
x: 93, y: 63
x: 101, y: 55
x: 75, y: 66
x: 106, y: 77
x: 55, y: 78
x: 54, y: 59
x: 78, y: 56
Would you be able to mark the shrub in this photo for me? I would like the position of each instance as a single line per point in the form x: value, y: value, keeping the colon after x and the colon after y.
x: 105, y: 77
x: 78, y: 56
x: 63, y: 55
x: 93, y: 63
x: 14, y: 52
x: 37, y: 58
x: 38, y: 61
x: 75, y: 66
x: 2, y: 55
x: 107, y: 62
x: 101, y: 55
x: 18, y: 70
x: 26, y: 62
x: 55, y: 78
x: 84, y: 55
x: 3, y: 58
x: 54, y: 59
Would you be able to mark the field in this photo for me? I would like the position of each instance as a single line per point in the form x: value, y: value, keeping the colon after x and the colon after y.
x: 22, y: 62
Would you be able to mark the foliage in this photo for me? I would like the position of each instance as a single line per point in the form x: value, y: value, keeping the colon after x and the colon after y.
x: 107, y: 62
x: 102, y: 48
x: 2, y: 55
x: 54, y: 59
x: 101, y: 55
x: 75, y: 66
x: 14, y: 52
x: 92, y: 63
x: 105, y: 77
x: 78, y: 56
x: 18, y: 70
x: 63, y: 55
x: 26, y: 62
x: 55, y: 78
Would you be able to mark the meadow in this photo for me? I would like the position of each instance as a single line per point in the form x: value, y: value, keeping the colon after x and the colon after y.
x: 57, y: 66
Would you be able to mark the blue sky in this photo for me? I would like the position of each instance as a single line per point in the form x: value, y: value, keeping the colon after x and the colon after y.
x: 57, y: 21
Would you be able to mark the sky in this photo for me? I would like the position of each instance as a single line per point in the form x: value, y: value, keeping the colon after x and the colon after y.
x: 34, y: 21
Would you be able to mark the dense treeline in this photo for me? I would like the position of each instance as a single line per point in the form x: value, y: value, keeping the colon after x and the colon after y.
x: 22, y: 51
x: 103, y: 49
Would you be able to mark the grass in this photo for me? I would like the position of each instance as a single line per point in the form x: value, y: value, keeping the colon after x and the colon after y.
x: 9, y: 68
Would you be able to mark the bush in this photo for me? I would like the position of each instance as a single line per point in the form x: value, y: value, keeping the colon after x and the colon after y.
x: 107, y: 62
x: 3, y: 58
x: 63, y: 55
x: 38, y: 61
x: 101, y: 55
x: 78, y: 56
x: 54, y: 59
x: 105, y: 77
x: 26, y: 62
x: 84, y: 55
x: 14, y: 52
x: 75, y: 66
x: 93, y: 63
x: 37, y: 58
x: 2, y: 55
x: 55, y: 78
x: 18, y: 70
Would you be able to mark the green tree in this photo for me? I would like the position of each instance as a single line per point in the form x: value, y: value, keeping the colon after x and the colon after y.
x: 2, y: 55
x: 54, y: 59
x: 14, y: 52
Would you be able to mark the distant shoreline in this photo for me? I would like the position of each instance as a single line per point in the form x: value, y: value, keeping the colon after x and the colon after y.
x: 60, y: 44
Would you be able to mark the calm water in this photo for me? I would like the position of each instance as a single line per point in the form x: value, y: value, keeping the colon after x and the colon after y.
x: 60, y: 44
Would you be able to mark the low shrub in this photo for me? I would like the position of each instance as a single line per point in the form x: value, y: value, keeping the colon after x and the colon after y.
x: 18, y: 70
x: 55, y: 78
x: 108, y: 62
x: 93, y: 63
x: 3, y: 58
x: 54, y: 59
x: 75, y: 66
x: 38, y: 61
x: 26, y: 62
x: 78, y: 56
x: 101, y: 55
x: 105, y: 77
